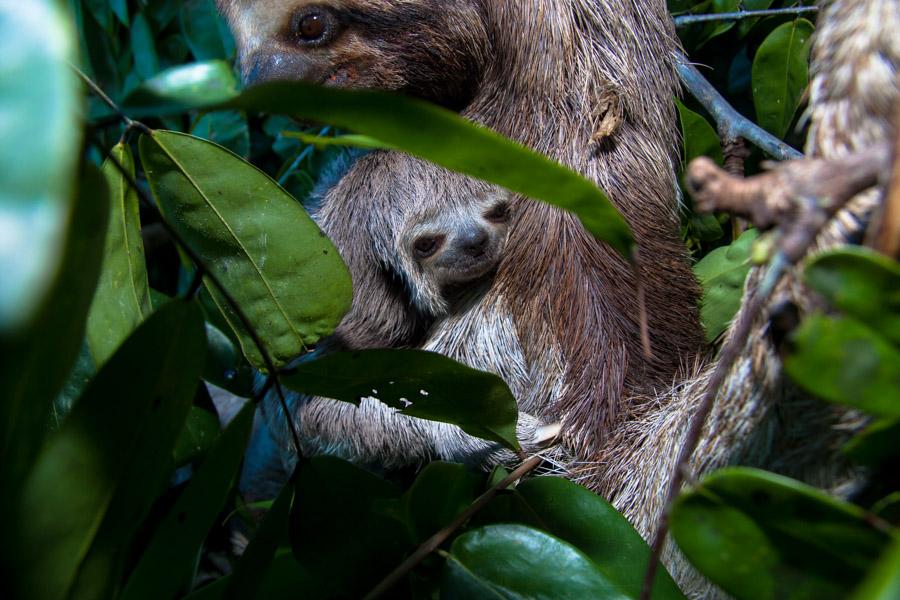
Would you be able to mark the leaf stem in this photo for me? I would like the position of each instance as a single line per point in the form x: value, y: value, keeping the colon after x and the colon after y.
x: 685, y: 20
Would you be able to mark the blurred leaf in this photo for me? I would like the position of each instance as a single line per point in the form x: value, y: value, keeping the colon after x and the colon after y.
x: 250, y: 570
x: 287, y: 276
x: 841, y: 360
x: 780, y: 74
x: 862, y: 283
x: 439, y: 494
x: 122, y: 299
x: 356, y: 141
x: 82, y: 372
x: 700, y: 138
x: 717, y: 28
x: 225, y: 366
x: 96, y: 478
x: 201, y: 83
x: 120, y: 9
x: 146, y: 63
x: 759, y: 535
x: 422, y: 384
x: 226, y: 128
x: 37, y: 361
x: 883, y: 580
x: 514, y: 561
x: 722, y: 273
x: 39, y: 116
x: 168, y: 561
x: 591, y: 524
x: 876, y: 444
x: 102, y: 12
x: 201, y: 430
x: 204, y: 31
x: 336, y: 502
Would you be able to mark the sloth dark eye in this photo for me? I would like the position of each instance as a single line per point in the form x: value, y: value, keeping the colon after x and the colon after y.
x: 314, y: 26
x: 498, y: 214
x: 427, y: 245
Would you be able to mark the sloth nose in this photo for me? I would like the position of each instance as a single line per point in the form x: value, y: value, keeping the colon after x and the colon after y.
x: 473, y: 241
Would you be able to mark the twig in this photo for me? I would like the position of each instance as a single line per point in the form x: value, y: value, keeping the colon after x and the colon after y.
x: 435, y: 541
x: 98, y: 91
x: 730, y: 123
x: 685, y: 20
x: 888, y: 234
x: 799, y: 197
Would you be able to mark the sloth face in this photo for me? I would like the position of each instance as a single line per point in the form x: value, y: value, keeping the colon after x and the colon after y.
x: 449, y: 252
x: 432, y: 49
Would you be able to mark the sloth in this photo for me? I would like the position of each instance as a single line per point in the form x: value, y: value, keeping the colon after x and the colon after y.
x: 588, y: 83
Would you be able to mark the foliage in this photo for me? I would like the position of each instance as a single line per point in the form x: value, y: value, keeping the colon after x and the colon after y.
x: 117, y: 477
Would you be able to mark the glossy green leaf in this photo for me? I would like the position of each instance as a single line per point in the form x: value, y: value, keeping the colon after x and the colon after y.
x: 700, y: 138
x: 196, y: 84
x: 337, y: 502
x: 514, y: 561
x: 722, y: 273
x: 168, y: 561
x: 250, y: 570
x: 227, y: 128
x: 122, y: 299
x: 439, y: 494
x: 759, y: 535
x: 285, y: 274
x: 143, y: 44
x: 201, y: 430
x: 883, y: 581
x: 841, y: 360
x: 422, y: 384
x: 97, y: 477
x: 862, y: 283
x: 876, y: 444
x: 204, y: 30
x: 441, y: 136
x: 780, y: 74
x: 591, y: 524
x: 37, y: 360
x: 39, y: 116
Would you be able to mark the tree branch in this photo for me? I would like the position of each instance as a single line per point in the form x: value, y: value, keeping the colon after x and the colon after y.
x: 685, y: 20
x: 730, y: 124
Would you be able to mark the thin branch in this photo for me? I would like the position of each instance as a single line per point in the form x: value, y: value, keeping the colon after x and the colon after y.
x: 730, y: 123
x: 435, y: 541
x: 799, y: 197
x: 887, y: 239
x: 98, y: 91
x: 685, y: 20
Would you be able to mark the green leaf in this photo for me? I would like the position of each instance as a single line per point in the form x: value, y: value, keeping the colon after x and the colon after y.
x: 146, y: 63
x: 591, y: 524
x: 168, y: 562
x: 700, y: 139
x: 876, y: 444
x: 285, y: 274
x: 445, y: 138
x: 122, y: 299
x: 717, y: 28
x: 226, y: 128
x: 249, y: 571
x: 439, y: 494
x: 862, y: 283
x: 883, y: 581
x: 204, y: 31
x: 196, y: 84
x: 841, y: 360
x: 780, y: 74
x: 759, y: 535
x: 120, y: 9
x: 722, y: 273
x: 201, y: 430
x: 225, y: 365
x: 39, y: 116
x: 514, y: 561
x: 353, y: 140
x: 97, y: 477
x: 422, y: 384
x: 336, y: 502
x: 37, y: 360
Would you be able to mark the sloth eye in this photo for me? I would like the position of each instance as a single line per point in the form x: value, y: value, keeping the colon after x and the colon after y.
x: 314, y: 26
x: 427, y: 245
x: 498, y: 214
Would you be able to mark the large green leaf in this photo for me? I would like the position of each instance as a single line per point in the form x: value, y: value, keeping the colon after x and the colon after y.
x: 883, y: 581
x: 122, y: 299
x: 39, y: 106
x: 514, y: 561
x: 591, y: 524
x: 700, y: 138
x: 99, y: 474
x: 196, y: 84
x: 722, y: 273
x: 168, y: 562
x: 37, y: 360
x: 421, y: 384
x: 286, y: 275
x: 841, y: 360
x: 780, y: 74
x: 759, y: 535
x: 862, y: 283
x: 439, y: 494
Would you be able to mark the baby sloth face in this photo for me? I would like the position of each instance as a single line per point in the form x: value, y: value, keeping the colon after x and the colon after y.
x: 449, y: 251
